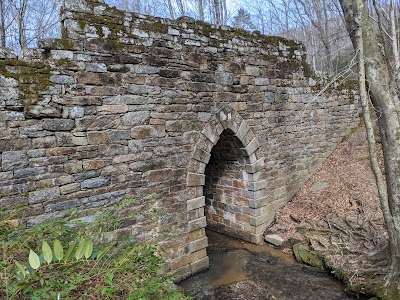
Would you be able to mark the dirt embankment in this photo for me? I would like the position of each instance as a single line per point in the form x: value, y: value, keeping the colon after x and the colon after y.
x: 338, y: 218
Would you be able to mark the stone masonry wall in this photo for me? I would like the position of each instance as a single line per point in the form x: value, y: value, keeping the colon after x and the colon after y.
x: 126, y: 105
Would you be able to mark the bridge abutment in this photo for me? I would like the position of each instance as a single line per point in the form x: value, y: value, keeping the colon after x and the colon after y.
x: 224, y: 125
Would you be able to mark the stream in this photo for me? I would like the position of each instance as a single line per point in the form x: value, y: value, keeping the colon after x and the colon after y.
x: 240, y: 270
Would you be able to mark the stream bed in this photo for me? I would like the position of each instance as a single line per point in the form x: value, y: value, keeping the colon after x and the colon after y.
x: 240, y: 270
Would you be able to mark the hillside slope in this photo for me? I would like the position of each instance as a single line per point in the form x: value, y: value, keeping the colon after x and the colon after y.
x: 337, y: 213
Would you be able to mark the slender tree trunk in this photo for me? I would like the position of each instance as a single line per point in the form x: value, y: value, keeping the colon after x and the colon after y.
x: 393, y: 37
x: 386, y: 100
x: 21, y: 25
x: 217, y: 12
x: 171, y: 9
x: 201, y: 9
x: 181, y: 7
x: 224, y: 12
x: 2, y: 24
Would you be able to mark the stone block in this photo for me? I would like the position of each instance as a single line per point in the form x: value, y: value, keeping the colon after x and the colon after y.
x: 201, y: 155
x: 224, y: 78
x: 58, y: 124
x: 136, y: 118
x: 147, y: 131
x: 62, y: 79
x: 59, y: 151
x: 195, y: 203
x: 256, y: 238
x: 274, y: 239
x: 98, y: 137
x: 95, y: 182
x: 255, y: 167
x: 96, y: 67
x: 112, y: 109
x: 70, y: 188
x: 197, y: 224
x: 98, y: 122
x: 200, y: 265
x: 13, y: 160
x: 44, y: 142
x: 210, y: 133
x: 62, y: 54
x: 73, y: 112
x: 196, y: 234
x: 263, y: 219
x: 26, y: 172
x: 113, y: 150
x: 119, y: 135
x: 93, y: 164
x: 252, y: 146
x: 198, y: 244
x: 59, y: 206
x: 252, y: 70
x: 15, y: 144
x: 257, y: 185
x: 194, y: 179
x: 73, y: 167
x: 43, y: 195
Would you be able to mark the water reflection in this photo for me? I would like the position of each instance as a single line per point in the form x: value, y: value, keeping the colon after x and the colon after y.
x: 239, y: 270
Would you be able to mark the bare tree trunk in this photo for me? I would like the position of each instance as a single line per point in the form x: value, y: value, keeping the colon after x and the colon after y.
x: 224, y: 12
x: 171, y: 9
x: 201, y: 9
x: 386, y: 100
x: 18, y: 13
x: 181, y: 7
x: 217, y: 12
x: 2, y: 25
x: 393, y: 37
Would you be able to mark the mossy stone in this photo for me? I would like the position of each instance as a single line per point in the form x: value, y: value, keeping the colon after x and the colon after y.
x: 304, y: 254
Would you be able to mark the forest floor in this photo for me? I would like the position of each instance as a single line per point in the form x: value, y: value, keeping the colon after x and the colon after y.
x: 337, y: 216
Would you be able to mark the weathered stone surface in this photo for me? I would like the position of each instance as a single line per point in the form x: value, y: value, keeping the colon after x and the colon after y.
x: 73, y: 112
x: 29, y: 172
x: 62, y: 79
x: 274, y: 239
x: 94, y: 182
x: 58, y: 124
x: 40, y: 196
x: 136, y: 118
x: 14, y: 160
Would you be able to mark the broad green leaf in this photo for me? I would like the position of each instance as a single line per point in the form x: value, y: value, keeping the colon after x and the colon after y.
x: 79, y: 250
x: 34, y: 260
x: 58, y: 250
x: 47, y: 253
x: 69, y: 252
x: 103, y: 251
x: 21, y: 268
x: 88, y: 249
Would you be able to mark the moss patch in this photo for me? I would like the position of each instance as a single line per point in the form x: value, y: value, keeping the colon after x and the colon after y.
x: 33, y: 78
x: 304, y: 254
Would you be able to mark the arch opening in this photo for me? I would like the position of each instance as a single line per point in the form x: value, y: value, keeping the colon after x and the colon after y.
x: 226, y: 188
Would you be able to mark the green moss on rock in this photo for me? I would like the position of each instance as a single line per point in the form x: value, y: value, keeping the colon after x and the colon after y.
x: 304, y: 254
x: 33, y: 78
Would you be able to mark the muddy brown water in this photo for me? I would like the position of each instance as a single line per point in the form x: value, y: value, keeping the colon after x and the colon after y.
x: 240, y: 270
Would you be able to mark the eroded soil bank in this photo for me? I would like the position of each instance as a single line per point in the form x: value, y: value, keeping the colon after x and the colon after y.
x: 337, y: 217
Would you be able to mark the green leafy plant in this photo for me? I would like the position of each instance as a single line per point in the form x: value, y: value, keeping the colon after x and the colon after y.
x: 73, y: 259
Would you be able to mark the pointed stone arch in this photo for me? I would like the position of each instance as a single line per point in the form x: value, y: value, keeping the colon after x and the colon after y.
x: 256, y: 197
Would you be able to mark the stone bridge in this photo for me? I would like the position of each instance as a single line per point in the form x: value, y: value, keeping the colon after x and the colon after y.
x: 224, y: 125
